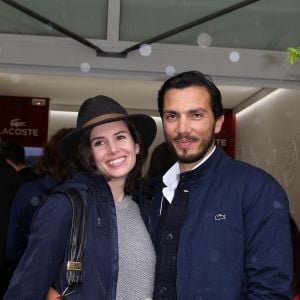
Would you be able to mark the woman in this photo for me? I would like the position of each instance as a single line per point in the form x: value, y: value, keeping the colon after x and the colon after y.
x: 118, y: 259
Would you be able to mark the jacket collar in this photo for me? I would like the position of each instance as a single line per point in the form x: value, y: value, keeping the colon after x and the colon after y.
x: 205, y: 170
x: 173, y: 176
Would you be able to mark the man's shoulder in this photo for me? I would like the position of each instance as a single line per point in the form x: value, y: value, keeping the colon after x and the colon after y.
x: 252, y: 177
x: 247, y: 169
x: 8, y: 175
x: 28, y: 174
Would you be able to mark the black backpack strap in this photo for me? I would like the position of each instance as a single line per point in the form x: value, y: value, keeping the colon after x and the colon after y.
x: 77, y: 236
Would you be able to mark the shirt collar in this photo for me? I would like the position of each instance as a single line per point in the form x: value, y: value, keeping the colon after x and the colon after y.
x: 172, y: 176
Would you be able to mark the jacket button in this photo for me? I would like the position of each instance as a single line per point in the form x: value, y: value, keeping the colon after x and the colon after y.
x: 163, y: 289
x: 169, y: 236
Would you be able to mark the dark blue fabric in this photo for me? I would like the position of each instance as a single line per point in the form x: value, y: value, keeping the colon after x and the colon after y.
x: 42, y: 264
x: 167, y: 240
x: 24, y: 205
x: 10, y: 181
x: 235, y: 243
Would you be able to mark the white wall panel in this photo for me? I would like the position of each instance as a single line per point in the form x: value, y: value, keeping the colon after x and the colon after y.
x: 268, y: 136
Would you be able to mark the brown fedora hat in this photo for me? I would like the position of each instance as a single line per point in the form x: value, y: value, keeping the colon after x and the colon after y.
x: 100, y: 110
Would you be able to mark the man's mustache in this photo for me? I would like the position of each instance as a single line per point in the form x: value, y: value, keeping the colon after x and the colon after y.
x: 187, y: 137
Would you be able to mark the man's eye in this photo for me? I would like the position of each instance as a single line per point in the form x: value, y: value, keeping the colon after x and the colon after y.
x: 170, y: 117
x: 197, y: 115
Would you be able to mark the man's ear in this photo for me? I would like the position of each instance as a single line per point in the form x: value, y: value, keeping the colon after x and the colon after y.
x: 219, y: 123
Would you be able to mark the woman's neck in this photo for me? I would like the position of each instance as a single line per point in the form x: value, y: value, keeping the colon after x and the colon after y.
x: 117, y: 189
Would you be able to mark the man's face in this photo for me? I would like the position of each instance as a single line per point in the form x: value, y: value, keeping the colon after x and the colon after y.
x: 189, y: 124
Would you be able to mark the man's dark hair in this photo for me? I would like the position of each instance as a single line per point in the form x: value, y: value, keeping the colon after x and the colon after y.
x: 13, y: 151
x: 188, y: 79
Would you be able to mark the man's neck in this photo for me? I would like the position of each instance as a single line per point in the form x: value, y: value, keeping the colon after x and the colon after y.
x: 187, y: 167
x: 18, y: 168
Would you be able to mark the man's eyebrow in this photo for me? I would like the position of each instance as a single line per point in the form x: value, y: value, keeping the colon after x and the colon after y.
x: 194, y: 110
x: 197, y: 110
x: 170, y: 111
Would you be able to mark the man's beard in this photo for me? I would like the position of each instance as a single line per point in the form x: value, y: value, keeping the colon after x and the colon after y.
x: 186, y: 158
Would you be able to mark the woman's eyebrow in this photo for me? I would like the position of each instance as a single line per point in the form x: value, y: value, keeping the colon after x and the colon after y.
x: 102, y: 137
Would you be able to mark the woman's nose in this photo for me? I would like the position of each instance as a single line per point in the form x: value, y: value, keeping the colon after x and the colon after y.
x: 112, y: 147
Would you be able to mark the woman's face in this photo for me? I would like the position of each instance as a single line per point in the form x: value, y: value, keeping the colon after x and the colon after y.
x: 113, y: 149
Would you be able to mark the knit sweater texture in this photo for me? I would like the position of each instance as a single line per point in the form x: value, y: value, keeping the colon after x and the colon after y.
x: 136, y: 254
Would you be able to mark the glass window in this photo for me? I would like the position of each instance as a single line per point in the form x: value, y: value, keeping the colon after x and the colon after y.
x: 86, y: 18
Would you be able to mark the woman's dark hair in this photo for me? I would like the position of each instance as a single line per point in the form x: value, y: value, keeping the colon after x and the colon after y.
x: 296, y: 256
x: 162, y: 158
x: 51, y: 161
x: 133, y: 179
x: 188, y: 79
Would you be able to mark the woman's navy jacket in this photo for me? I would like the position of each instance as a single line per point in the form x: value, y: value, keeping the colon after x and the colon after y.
x: 43, y: 265
x: 235, y: 243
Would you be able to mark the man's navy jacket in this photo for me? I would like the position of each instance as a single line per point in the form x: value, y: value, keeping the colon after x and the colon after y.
x: 235, y: 243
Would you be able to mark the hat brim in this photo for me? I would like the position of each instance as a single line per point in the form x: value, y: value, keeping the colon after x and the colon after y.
x: 144, y: 124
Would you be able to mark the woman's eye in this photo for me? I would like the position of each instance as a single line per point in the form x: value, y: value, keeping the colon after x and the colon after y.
x: 98, y: 143
x: 121, y: 137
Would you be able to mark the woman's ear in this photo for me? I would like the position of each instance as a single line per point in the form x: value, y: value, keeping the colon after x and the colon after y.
x: 137, y: 148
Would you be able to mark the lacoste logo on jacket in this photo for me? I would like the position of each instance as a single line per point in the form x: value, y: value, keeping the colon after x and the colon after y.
x: 220, y: 217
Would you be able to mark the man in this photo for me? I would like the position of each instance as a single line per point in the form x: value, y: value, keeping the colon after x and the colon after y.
x: 13, y: 173
x: 220, y: 226
x: 14, y: 154
x: 9, y: 183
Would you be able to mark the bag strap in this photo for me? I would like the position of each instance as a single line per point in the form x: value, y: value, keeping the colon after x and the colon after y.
x: 77, y: 236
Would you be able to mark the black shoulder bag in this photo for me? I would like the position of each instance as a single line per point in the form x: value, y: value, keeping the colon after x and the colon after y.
x: 77, y: 237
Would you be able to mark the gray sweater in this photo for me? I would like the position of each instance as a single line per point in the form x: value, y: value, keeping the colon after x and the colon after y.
x: 136, y: 254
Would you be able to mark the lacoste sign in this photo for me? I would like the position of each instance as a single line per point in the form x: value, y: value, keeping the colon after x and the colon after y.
x: 24, y: 120
x: 16, y: 129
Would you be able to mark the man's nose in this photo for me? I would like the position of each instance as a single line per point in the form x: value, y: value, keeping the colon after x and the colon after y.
x: 183, y: 125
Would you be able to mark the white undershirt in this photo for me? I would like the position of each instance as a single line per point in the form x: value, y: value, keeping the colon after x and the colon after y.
x: 171, y: 177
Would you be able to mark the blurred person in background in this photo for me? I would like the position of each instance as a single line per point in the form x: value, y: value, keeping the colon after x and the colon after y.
x: 14, y: 154
x: 13, y: 173
x: 52, y: 170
